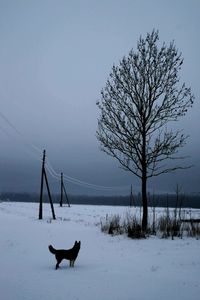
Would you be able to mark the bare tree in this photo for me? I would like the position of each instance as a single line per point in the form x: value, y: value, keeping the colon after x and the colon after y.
x: 140, y: 97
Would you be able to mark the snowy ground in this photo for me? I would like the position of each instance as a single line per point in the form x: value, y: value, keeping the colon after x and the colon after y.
x: 107, y: 268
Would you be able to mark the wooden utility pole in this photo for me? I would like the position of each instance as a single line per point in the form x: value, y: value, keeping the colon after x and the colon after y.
x: 41, y: 187
x: 49, y: 194
x: 44, y: 176
x: 63, y: 189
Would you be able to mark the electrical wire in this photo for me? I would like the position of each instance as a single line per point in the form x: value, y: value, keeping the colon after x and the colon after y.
x: 80, y: 182
x: 50, y: 168
x: 26, y: 142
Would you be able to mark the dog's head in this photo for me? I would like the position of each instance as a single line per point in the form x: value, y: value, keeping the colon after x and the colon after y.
x: 77, y: 245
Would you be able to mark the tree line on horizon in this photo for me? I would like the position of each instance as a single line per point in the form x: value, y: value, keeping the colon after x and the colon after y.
x: 164, y: 200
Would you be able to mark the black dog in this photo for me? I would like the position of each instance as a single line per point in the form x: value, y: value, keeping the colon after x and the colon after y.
x: 70, y: 254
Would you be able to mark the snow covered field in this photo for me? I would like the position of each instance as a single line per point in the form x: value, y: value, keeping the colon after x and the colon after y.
x: 107, y: 268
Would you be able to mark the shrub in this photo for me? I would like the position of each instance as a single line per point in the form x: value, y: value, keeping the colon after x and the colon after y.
x: 130, y: 226
x: 133, y: 227
x: 167, y: 225
x: 112, y: 225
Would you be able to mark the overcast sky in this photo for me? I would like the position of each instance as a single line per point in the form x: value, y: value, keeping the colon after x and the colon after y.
x: 55, y: 57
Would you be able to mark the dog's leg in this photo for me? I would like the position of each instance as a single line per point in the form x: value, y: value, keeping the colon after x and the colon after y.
x: 71, y: 264
x: 58, y: 262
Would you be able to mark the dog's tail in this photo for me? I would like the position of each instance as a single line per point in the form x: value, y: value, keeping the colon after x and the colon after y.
x: 52, y: 250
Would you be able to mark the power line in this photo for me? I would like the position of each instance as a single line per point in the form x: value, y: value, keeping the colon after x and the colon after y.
x: 25, y: 140
x: 80, y: 182
x: 50, y: 168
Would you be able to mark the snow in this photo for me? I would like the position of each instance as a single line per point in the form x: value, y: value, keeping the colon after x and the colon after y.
x: 107, y: 268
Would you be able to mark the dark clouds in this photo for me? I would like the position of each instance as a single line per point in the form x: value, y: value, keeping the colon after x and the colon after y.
x: 55, y: 57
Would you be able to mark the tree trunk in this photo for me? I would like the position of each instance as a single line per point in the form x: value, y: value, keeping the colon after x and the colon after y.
x: 144, y: 182
x: 144, y: 203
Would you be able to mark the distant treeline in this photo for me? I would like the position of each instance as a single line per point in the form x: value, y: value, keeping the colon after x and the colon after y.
x: 169, y: 200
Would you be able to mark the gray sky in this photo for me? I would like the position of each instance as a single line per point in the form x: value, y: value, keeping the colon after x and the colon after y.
x: 55, y: 57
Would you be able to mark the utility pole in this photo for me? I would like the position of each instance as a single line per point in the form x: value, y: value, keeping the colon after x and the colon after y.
x: 49, y: 194
x: 63, y: 189
x: 44, y: 176
x: 41, y: 187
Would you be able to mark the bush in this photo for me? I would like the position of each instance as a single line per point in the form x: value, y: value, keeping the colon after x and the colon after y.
x: 168, y: 225
x: 129, y: 226
x: 133, y: 227
x: 112, y: 225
